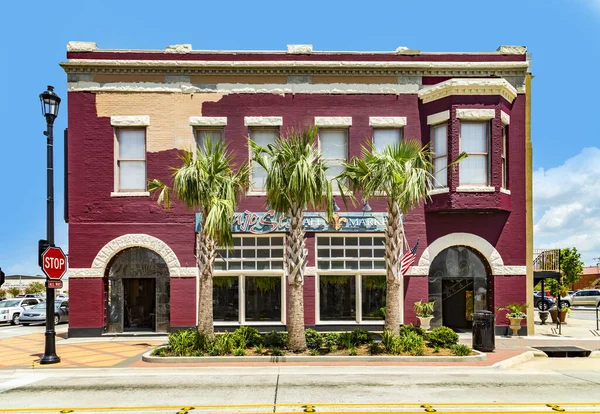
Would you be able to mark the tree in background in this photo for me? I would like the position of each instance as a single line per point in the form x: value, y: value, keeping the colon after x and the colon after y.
x: 3, y: 293
x: 571, y: 266
x: 35, y: 287
x: 14, y: 292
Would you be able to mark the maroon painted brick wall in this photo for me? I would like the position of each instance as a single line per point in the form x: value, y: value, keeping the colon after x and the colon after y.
x: 183, y: 302
x: 508, y: 289
x: 89, y: 311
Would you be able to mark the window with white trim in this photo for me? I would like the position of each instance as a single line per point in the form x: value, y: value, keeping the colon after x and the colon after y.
x: 130, y: 159
x: 263, y: 137
x: 204, y: 134
x: 248, y: 283
x: 386, y: 136
x: 474, y: 140
x: 350, y: 284
x: 333, y: 144
x: 505, y: 157
x: 439, y: 149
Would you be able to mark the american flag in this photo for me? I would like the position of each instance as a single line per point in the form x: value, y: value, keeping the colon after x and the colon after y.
x: 408, y: 259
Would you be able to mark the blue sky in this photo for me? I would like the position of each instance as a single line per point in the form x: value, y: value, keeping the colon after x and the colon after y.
x: 562, y: 35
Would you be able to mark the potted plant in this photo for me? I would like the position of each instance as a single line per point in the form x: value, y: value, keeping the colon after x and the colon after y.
x: 563, y: 314
x: 424, y: 311
x: 516, y: 313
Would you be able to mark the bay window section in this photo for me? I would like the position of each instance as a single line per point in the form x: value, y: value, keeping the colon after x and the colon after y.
x: 263, y: 137
x: 474, y: 140
x: 505, y: 157
x: 383, y: 137
x: 439, y: 148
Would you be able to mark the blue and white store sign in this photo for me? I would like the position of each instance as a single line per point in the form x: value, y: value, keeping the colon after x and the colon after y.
x: 272, y: 222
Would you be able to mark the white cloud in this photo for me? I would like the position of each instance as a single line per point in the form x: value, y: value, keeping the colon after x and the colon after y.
x: 567, y: 205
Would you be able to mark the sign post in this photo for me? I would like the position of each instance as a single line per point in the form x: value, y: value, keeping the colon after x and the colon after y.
x: 54, y: 265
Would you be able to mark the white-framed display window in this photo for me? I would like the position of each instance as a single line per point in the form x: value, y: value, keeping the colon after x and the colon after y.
x: 439, y: 150
x: 263, y: 136
x: 474, y: 140
x: 386, y: 136
x: 248, y: 285
x: 350, y: 283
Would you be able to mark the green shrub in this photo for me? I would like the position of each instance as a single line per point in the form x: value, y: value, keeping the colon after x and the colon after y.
x: 461, y: 350
x: 246, y: 336
x: 221, y: 345
x: 404, y: 329
x: 344, y: 340
x: 275, y: 339
x: 443, y: 337
x: 387, y: 341
x: 314, y: 340
x: 436, y: 349
x: 410, y: 343
x: 314, y: 352
x: 259, y: 349
x: 361, y: 337
x: 197, y: 353
x: 277, y: 352
x: 375, y: 348
x: 352, y: 351
x: 201, y: 341
x: 330, y: 341
x: 182, y: 342
x: 239, y: 352
x: 163, y: 351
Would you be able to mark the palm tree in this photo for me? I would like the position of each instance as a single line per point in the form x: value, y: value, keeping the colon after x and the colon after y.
x: 296, y: 179
x: 402, y: 174
x: 208, y: 183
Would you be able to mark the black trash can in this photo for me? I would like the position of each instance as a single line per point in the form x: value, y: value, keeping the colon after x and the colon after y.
x: 484, y: 331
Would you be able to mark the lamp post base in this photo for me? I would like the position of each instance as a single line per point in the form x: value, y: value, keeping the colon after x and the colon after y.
x: 50, y: 356
x: 50, y: 359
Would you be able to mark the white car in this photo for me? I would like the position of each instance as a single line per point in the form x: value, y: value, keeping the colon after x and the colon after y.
x: 11, y: 309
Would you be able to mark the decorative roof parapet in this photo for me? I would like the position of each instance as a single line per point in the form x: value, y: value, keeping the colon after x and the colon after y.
x: 81, y: 46
x: 466, y: 86
x: 300, y: 49
x: 183, y: 48
x: 512, y: 50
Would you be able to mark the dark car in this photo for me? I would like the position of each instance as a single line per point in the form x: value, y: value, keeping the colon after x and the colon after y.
x: 544, y: 302
x: 37, y: 314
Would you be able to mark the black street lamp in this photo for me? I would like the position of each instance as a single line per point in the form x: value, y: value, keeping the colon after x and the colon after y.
x: 50, y: 103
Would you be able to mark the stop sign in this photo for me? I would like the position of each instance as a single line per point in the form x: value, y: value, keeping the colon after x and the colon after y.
x: 54, y: 263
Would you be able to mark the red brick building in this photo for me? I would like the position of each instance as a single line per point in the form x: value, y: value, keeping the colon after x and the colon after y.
x: 132, y: 264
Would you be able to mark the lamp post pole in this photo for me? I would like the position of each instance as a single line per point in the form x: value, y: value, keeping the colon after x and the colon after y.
x: 50, y: 102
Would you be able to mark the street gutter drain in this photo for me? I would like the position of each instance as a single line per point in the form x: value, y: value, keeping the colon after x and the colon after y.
x: 564, y: 351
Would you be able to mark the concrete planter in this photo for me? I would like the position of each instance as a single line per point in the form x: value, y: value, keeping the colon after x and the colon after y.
x: 515, y: 325
x: 424, y: 322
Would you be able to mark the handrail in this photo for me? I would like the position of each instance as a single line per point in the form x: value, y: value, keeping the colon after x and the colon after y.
x: 546, y: 260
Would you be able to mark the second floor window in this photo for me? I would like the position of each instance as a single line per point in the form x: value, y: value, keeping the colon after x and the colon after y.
x: 386, y: 136
x: 439, y: 148
x: 204, y: 134
x: 474, y: 140
x: 131, y: 159
x: 263, y: 137
x: 505, y: 157
x: 334, y: 147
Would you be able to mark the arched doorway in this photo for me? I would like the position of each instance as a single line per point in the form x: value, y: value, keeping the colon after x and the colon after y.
x: 137, y: 292
x: 460, y: 284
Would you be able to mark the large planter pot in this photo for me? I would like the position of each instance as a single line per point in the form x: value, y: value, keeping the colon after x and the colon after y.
x: 554, y: 316
x: 424, y: 322
x: 515, y: 325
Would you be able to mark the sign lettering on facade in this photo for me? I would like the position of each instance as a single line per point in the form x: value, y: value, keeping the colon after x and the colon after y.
x: 272, y: 222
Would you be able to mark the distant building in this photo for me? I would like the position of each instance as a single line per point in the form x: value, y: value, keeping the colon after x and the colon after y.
x: 22, y: 281
x: 132, y: 264
x: 590, y: 278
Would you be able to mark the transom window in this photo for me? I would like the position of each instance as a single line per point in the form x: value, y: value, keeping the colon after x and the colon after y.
x: 350, y: 253
x: 474, y: 140
x: 252, y: 253
x: 263, y: 137
x: 439, y: 148
x: 131, y: 159
x: 334, y: 147
x: 204, y: 134
x: 386, y: 136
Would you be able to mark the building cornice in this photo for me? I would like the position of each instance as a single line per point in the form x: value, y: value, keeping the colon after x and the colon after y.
x: 474, y: 86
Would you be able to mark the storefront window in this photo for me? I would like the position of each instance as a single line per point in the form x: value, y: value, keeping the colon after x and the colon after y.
x: 373, y: 297
x: 226, y: 299
x: 263, y: 299
x: 337, y: 298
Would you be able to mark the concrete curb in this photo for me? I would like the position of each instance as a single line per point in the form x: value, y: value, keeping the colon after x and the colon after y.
x: 518, y: 359
x: 146, y: 357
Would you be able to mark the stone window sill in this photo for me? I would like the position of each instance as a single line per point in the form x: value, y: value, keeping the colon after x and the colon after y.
x: 441, y: 190
x: 475, y: 189
x: 130, y: 194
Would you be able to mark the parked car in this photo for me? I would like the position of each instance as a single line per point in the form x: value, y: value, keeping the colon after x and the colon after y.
x: 12, y: 309
x: 543, y: 302
x: 585, y: 297
x: 37, y: 314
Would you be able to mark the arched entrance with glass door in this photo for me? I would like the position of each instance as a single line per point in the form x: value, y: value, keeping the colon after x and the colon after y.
x: 460, y: 283
x: 137, y: 292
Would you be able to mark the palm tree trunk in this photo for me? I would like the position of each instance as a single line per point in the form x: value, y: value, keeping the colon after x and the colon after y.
x: 205, y: 257
x: 295, y: 265
x: 393, y: 251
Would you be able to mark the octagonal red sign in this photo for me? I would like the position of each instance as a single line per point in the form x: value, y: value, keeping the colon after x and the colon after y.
x: 54, y: 263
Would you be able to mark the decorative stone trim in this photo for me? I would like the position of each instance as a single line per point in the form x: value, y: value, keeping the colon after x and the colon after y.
x: 468, y: 86
x: 475, y: 114
x: 310, y: 271
x: 418, y: 271
x: 130, y: 121
x: 182, y: 48
x: 403, y: 50
x: 136, y: 240
x: 387, y: 121
x: 438, y: 118
x: 188, y: 272
x: 475, y: 189
x: 511, y: 271
x: 512, y: 50
x: 505, y: 190
x: 208, y: 121
x: 505, y: 118
x: 77, y: 273
x: 130, y: 194
x: 81, y: 46
x: 333, y: 121
x: 263, y: 120
x: 300, y: 49
x: 441, y: 190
